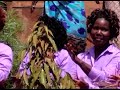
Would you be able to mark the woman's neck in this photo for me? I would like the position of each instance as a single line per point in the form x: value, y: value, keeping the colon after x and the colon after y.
x: 99, y: 50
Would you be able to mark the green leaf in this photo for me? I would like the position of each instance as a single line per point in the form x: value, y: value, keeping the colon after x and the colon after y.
x: 25, y: 77
x: 51, y: 39
x: 46, y: 68
x: 35, y: 40
x: 43, y: 77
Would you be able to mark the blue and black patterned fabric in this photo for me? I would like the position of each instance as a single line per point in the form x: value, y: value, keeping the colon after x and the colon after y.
x: 71, y: 14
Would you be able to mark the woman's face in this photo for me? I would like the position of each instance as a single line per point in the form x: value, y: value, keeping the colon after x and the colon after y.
x: 100, y: 32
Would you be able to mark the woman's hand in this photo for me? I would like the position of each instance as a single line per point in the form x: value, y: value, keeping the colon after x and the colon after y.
x: 81, y: 84
x: 114, y: 78
x: 72, y: 50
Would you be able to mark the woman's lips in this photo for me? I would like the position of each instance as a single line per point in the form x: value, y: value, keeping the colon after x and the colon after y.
x: 98, y: 39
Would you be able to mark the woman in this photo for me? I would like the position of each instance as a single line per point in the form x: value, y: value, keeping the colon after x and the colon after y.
x: 6, y: 53
x: 102, y: 60
x: 61, y: 57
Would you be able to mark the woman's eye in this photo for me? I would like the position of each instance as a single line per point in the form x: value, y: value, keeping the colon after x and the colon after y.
x: 102, y: 29
x: 96, y: 28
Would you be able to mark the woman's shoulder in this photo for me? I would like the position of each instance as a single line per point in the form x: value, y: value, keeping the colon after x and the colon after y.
x: 4, y: 46
x: 114, y: 48
x: 62, y: 52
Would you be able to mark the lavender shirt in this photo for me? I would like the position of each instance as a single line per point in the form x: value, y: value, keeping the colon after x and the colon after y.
x: 107, y: 63
x: 6, y: 60
x: 64, y: 62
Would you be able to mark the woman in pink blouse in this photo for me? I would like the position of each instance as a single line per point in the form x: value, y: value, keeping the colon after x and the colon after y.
x: 102, y: 60
x: 6, y: 53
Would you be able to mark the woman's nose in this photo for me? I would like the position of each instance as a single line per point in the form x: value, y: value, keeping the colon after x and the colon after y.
x: 99, y: 31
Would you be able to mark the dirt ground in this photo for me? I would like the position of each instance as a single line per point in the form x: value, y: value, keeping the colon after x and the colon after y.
x: 29, y: 18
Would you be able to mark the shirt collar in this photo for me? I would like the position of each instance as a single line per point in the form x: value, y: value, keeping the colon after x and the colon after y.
x: 109, y: 50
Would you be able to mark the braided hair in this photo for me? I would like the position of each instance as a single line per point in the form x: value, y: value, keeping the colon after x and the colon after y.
x: 57, y: 28
x: 109, y: 15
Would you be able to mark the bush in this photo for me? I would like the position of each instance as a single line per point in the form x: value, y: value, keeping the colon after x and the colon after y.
x: 9, y: 34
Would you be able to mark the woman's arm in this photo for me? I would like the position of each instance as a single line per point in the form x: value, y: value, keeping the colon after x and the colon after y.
x: 72, y: 52
x: 6, y: 61
x: 64, y: 62
x: 91, y: 72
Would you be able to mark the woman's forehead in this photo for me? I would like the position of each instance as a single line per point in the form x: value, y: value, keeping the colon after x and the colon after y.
x: 102, y: 20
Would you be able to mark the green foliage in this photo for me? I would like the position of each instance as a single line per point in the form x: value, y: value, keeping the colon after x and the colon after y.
x: 12, y: 26
x: 9, y: 33
x: 44, y: 71
x: 3, y: 4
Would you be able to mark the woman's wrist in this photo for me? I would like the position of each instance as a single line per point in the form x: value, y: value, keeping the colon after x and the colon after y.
x: 77, y: 60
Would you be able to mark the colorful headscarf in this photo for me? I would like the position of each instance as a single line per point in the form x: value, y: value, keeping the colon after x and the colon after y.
x: 71, y: 14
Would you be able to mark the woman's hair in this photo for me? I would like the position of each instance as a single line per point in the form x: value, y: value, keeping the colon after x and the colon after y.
x: 109, y: 15
x: 2, y: 18
x: 57, y: 28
